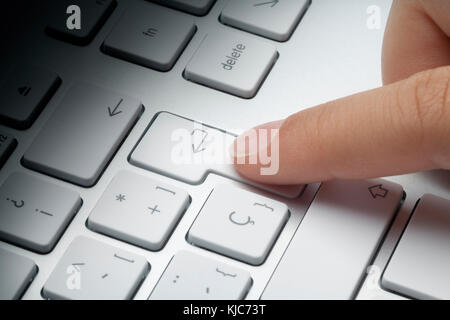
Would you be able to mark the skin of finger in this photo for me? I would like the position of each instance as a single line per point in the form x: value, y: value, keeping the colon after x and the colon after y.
x: 433, y: 94
x: 239, y: 156
x: 416, y: 38
x: 439, y: 12
x: 376, y: 133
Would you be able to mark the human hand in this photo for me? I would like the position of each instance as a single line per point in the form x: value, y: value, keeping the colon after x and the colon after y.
x: 399, y: 128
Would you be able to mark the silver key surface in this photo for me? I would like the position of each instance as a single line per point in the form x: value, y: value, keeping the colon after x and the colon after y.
x: 150, y: 35
x: 7, y: 145
x: 139, y: 210
x: 197, y: 7
x: 419, y: 267
x: 190, y: 276
x: 92, y: 270
x: 239, y: 224
x: 24, y: 94
x: 271, y: 19
x: 336, y: 241
x: 82, y: 135
x: 232, y: 62
x: 91, y: 14
x: 16, y: 274
x: 34, y: 213
x: 188, y: 151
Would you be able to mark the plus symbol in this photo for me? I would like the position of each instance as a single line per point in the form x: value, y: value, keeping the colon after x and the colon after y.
x: 154, y: 209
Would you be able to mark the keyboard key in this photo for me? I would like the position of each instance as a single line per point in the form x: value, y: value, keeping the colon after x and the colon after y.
x: 85, y: 131
x: 24, y: 94
x: 239, y: 224
x: 139, y: 210
x: 34, y: 213
x: 420, y: 264
x: 92, y: 270
x: 232, y: 62
x: 336, y: 241
x: 92, y: 15
x: 192, y: 277
x: 197, y: 7
x: 7, y: 146
x: 271, y: 19
x: 188, y: 151
x: 16, y: 274
x: 151, y: 36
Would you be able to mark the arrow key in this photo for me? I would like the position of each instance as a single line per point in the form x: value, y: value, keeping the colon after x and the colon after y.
x: 83, y: 134
x: 274, y: 19
x: 188, y: 151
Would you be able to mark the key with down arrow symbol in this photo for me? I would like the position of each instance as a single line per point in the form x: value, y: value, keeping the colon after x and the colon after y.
x: 72, y: 134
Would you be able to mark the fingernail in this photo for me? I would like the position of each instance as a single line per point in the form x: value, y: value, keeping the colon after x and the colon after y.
x: 248, y: 145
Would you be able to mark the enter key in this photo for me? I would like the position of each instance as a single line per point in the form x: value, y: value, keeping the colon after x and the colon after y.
x: 336, y: 241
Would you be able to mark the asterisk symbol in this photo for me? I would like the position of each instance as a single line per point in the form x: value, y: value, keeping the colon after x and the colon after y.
x: 120, y: 197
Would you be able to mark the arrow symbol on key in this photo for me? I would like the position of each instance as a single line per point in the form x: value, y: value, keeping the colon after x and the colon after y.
x: 378, y: 191
x: 198, y: 137
x: 273, y: 3
x: 115, y: 112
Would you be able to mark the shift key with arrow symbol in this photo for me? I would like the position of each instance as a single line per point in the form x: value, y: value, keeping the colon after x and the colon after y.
x: 378, y: 191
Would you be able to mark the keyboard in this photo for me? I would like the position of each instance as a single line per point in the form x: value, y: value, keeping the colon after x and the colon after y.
x: 115, y: 181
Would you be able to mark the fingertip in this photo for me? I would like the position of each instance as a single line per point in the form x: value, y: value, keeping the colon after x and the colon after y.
x: 248, y: 148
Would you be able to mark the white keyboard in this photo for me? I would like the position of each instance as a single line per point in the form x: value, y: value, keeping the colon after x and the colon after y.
x: 97, y: 202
